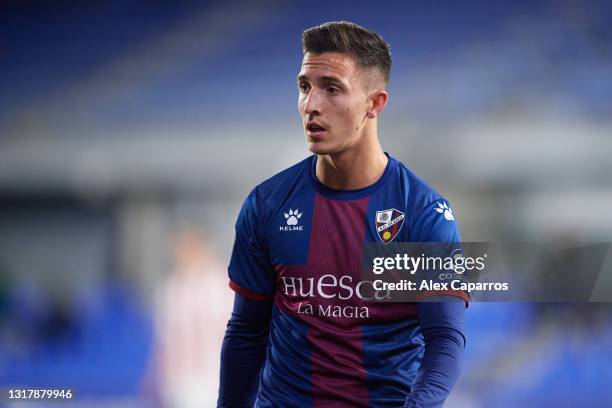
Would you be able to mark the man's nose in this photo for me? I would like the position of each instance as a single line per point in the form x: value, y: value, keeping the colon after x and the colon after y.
x: 312, y: 105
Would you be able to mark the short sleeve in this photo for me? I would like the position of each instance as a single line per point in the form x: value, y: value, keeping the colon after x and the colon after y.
x: 436, y: 224
x: 250, y: 271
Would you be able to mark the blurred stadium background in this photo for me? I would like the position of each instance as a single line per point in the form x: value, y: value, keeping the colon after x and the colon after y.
x: 130, y: 132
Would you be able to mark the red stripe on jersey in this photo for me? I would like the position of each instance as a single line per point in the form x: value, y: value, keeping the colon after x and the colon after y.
x: 449, y: 292
x: 336, y: 243
x: 249, y: 294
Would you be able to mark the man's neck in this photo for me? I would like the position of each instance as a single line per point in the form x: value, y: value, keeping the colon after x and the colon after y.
x: 352, y: 169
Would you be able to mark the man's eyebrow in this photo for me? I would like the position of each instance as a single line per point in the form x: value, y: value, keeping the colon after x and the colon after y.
x: 331, y: 79
x: 322, y: 78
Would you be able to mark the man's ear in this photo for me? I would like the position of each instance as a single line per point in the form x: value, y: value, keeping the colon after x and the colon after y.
x: 377, y: 101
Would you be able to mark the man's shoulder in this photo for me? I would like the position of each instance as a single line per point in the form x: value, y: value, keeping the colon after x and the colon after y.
x: 281, y: 181
x: 419, y: 196
x: 418, y: 193
x: 268, y: 195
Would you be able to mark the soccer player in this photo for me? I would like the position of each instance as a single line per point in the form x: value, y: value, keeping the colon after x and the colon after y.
x: 303, y: 332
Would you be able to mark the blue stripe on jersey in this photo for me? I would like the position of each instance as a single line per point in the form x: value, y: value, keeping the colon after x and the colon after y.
x: 391, y: 348
x: 286, y: 376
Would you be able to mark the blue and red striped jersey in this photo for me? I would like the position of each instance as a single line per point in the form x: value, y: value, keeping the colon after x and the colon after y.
x: 299, y: 245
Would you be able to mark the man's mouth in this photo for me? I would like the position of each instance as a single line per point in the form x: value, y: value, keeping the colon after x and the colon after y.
x: 314, y: 129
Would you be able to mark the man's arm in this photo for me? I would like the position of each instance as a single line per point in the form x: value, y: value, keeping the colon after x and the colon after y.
x: 243, y: 352
x: 442, y: 326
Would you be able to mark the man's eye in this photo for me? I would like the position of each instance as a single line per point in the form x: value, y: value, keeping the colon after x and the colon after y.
x: 332, y: 90
x: 303, y: 87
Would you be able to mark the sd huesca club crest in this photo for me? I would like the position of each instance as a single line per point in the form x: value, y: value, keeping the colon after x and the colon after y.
x: 388, y: 224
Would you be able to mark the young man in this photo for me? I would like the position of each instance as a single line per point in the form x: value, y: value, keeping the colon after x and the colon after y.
x: 303, y: 333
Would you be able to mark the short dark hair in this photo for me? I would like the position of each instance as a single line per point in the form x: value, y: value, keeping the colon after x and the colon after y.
x: 367, y: 47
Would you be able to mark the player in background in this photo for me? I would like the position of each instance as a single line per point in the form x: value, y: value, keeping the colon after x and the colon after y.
x: 303, y: 332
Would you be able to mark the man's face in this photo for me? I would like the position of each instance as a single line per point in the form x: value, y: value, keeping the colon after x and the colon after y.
x: 333, y: 101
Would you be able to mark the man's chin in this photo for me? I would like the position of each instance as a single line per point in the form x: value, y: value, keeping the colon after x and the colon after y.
x: 320, y: 148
